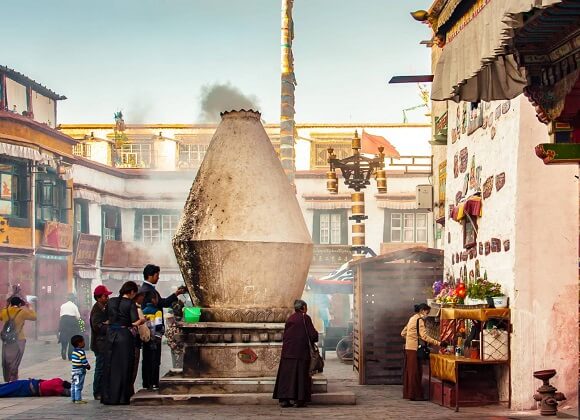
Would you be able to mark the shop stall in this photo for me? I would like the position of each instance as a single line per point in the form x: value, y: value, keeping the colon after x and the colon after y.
x: 466, y: 372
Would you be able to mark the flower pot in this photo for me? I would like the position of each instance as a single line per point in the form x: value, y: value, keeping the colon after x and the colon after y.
x: 500, y: 301
x: 471, y: 301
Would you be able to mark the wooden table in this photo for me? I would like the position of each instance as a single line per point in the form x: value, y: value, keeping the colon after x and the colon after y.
x: 446, y: 367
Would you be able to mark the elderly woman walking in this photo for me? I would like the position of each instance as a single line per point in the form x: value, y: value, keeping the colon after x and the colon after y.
x: 413, y: 370
x: 293, y: 382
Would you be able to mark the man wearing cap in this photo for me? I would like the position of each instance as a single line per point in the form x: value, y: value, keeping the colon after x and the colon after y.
x: 99, y: 335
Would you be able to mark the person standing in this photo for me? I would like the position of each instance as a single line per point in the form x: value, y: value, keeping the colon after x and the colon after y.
x: 98, y: 322
x: 152, y: 354
x: 80, y: 365
x: 293, y: 382
x: 413, y: 369
x: 68, y: 326
x: 13, y: 346
x: 120, y: 355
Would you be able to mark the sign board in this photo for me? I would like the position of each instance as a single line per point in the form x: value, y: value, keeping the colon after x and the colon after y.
x: 131, y: 254
x: 331, y: 255
x: 57, y: 235
x: 87, y: 249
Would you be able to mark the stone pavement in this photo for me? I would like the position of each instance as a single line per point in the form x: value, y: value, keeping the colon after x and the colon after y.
x: 373, y: 402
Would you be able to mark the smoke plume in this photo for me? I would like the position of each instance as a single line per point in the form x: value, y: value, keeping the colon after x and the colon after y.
x: 217, y: 97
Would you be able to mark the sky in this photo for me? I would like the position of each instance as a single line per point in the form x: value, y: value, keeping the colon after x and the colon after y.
x: 152, y: 58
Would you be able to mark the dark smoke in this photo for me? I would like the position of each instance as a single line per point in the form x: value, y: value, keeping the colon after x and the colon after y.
x: 217, y: 97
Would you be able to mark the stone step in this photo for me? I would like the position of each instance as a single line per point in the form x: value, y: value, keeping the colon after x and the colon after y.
x: 177, y: 385
x: 144, y: 397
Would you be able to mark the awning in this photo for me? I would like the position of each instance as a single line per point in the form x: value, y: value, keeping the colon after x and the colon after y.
x: 85, y: 273
x: 475, y: 65
x: 22, y: 152
x: 397, y: 204
x: 127, y: 203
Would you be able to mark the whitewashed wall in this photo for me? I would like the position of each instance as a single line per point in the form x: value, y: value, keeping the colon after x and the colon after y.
x: 545, y: 296
x: 537, y: 211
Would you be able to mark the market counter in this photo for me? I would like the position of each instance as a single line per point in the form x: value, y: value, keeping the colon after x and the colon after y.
x: 484, y: 314
x: 446, y: 367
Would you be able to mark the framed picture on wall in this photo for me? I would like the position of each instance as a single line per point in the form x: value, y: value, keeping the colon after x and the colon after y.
x: 469, y: 232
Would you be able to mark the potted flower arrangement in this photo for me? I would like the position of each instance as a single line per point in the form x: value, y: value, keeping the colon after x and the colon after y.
x: 481, y: 289
x: 449, y: 294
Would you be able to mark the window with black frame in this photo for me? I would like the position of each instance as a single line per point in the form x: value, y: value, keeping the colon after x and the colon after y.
x: 111, y: 221
x: 13, y: 190
x: 53, y: 199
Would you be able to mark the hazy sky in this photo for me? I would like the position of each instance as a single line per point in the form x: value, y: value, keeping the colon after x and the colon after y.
x: 151, y: 58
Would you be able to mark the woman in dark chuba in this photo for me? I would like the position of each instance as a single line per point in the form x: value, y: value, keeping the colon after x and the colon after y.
x: 120, y: 354
x: 293, y: 382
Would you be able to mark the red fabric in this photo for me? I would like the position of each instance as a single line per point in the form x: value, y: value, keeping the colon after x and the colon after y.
x: 370, y: 143
x: 412, y: 376
x: 51, y: 387
x: 472, y: 207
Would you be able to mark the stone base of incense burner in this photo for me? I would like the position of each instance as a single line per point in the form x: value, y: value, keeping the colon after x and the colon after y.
x: 231, y: 350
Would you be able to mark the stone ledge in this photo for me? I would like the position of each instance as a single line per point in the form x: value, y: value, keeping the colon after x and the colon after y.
x: 144, y: 397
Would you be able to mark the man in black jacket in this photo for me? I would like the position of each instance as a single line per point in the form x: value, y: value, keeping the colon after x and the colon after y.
x: 151, y: 351
x: 98, y: 322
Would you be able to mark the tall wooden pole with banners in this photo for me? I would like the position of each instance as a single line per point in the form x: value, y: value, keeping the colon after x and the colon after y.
x: 287, y: 123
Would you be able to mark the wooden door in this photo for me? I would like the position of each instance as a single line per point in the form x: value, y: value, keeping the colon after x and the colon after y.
x: 51, y: 289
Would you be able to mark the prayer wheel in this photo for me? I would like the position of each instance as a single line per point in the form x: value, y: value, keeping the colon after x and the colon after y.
x: 381, y: 178
x: 358, y: 203
x: 331, y: 182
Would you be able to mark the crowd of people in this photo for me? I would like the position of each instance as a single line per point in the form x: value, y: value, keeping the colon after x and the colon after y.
x: 123, y: 327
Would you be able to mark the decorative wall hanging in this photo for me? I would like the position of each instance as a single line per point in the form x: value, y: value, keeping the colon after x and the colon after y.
x: 485, y: 120
x: 490, y: 118
x: 448, y: 237
x: 486, y: 105
x: 495, y: 245
x: 477, y: 269
x: 458, y: 197
x: 499, y: 181
x: 493, y: 132
x: 457, y: 257
x: 505, y: 107
x: 452, y: 258
x: 464, y: 278
x: 464, y: 118
x: 469, y: 232
x: 471, y: 206
x: 487, y: 248
x: 481, y: 248
x: 456, y: 165
x: 487, y: 187
x: 453, y: 135
x: 471, y: 276
x: 463, y: 159
x: 475, y: 117
x: 472, y: 176
x: 498, y: 112
x: 464, y: 256
x: 465, y: 188
x: 506, y: 245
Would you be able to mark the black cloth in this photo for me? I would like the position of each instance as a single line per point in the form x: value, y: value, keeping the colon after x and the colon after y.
x: 161, y: 302
x: 293, y: 381
x: 98, y: 328
x: 120, y: 352
x: 295, y: 341
x: 151, y: 363
x: 67, y: 327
